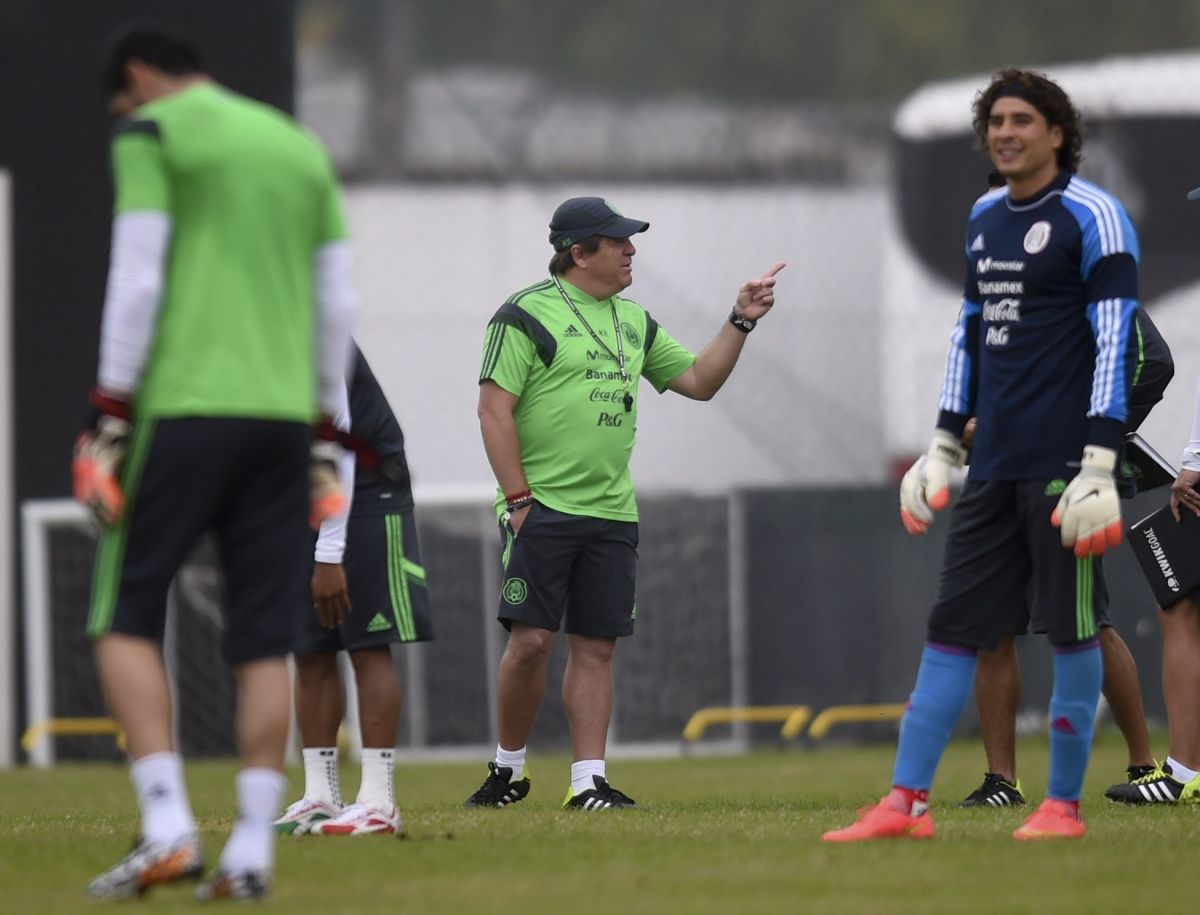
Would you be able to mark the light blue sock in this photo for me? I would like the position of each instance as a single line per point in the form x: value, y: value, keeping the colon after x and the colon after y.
x: 944, y: 683
x: 1078, y: 674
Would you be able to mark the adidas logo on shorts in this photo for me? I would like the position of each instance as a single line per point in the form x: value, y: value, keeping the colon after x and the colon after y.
x: 378, y: 623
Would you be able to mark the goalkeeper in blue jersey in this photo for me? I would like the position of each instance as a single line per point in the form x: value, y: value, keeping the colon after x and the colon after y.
x: 997, y: 672
x: 1044, y: 354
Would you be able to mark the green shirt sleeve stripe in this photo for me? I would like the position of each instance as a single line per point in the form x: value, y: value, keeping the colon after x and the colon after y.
x: 651, y: 333
x: 516, y: 316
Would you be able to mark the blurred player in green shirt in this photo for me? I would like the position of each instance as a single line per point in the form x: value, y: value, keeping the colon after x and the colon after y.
x: 224, y: 338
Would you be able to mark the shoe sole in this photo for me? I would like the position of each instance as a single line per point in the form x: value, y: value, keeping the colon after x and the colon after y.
x: 1037, y: 835
x: 910, y: 833
x: 355, y: 831
x: 1045, y: 836
x: 300, y: 827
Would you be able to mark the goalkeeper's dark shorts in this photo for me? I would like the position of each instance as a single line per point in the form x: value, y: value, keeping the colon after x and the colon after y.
x: 1005, y: 566
x: 569, y: 566
x: 388, y: 598
x: 243, y: 480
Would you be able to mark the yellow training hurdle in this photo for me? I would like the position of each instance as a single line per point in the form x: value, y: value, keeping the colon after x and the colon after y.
x: 793, y: 717
x: 70, y: 727
x: 755, y: 714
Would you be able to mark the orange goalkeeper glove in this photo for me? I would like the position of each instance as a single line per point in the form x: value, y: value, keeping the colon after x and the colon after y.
x: 926, y: 486
x: 1089, y: 512
x: 99, y: 454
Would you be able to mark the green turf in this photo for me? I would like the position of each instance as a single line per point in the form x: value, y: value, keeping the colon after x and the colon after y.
x: 714, y: 835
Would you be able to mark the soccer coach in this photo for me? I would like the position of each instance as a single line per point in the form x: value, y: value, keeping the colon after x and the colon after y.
x: 558, y: 389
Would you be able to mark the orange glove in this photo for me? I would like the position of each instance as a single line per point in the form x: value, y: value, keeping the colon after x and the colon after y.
x: 325, y: 496
x: 99, y: 454
x: 1089, y: 512
x: 926, y: 486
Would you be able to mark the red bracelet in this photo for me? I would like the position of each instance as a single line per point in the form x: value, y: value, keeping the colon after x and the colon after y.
x: 518, y: 496
x: 108, y: 404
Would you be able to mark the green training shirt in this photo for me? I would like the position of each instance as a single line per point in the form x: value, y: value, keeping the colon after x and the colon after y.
x: 251, y: 196
x: 576, y: 436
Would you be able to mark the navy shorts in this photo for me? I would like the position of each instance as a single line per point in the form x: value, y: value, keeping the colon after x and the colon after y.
x: 388, y: 597
x: 1005, y: 566
x: 571, y: 566
x: 245, y: 481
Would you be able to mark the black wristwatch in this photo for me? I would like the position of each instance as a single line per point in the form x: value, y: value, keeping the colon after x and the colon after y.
x: 741, y: 322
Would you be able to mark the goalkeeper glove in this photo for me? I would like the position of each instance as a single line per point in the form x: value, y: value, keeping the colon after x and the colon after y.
x: 99, y: 454
x: 926, y: 486
x: 1089, y: 512
x: 325, y: 496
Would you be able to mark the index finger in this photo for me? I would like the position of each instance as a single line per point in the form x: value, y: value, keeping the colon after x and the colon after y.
x: 776, y: 268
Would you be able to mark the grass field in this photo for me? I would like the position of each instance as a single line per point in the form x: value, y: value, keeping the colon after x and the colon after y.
x: 714, y: 835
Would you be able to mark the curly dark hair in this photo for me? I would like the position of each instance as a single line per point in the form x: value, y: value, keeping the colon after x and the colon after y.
x: 1043, y: 94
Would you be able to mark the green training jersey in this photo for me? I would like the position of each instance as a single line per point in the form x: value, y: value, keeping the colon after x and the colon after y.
x: 576, y: 435
x: 251, y: 196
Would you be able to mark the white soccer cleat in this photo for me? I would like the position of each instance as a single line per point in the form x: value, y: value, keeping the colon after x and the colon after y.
x: 361, y: 820
x: 303, y: 815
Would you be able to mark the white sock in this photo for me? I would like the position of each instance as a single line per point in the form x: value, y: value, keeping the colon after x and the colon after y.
x: 514, y: 759
x: 377, y: 788
x: 1179, y: 771
x: 251, y: 845
x: 162, y: 796
x: 582, y: 772
x: 321, y: 775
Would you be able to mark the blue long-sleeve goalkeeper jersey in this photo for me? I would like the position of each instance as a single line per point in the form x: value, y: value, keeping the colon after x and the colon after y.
x: 1045, y: 347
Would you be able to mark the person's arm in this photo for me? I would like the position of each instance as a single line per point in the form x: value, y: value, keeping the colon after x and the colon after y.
x: 136, y: 275
x: 334, y: 294
x: 1183, y: 490
x: 1089, y: 511
x: 141, y: 235
x: 137, y: 267
x: 502, y: 444
x: 925, y: 487
x: 330, y: 591
x: 715, y: 362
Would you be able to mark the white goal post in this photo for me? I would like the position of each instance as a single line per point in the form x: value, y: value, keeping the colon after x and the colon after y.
x: 8, y: 596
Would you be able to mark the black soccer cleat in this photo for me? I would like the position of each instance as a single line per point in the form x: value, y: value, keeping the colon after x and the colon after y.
x: 603, y: 797
x: 1159, y: 786
x: 498, y: 789
x: 995, y: 792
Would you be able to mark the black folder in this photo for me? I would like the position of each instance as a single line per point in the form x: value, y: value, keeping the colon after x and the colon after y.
x: 1147, y: 467
x: 1168, y: 552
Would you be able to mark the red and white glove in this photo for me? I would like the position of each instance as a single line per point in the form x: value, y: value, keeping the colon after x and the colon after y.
x: 1089, y: 512
x: 99, y: 454
x: 925, y: 488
